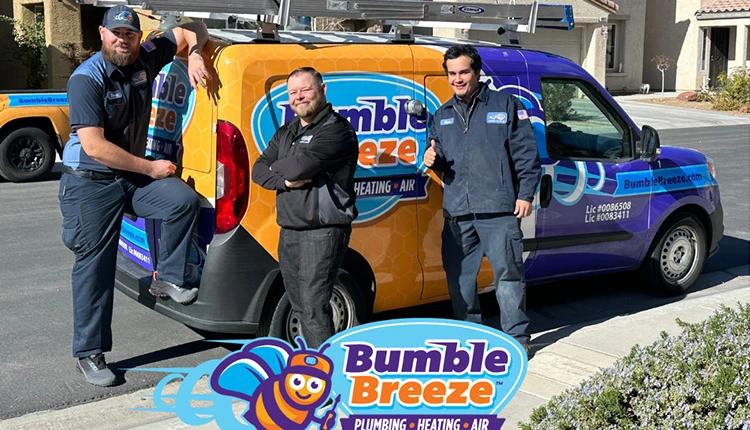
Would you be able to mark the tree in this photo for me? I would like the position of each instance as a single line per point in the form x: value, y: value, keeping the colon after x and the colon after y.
x: 31, y: 48
x: 662, y: 63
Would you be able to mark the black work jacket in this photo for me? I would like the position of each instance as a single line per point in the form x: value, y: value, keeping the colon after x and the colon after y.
x: 325, y: 151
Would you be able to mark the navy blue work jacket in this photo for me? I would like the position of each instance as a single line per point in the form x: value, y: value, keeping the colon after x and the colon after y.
x: 487, y: 153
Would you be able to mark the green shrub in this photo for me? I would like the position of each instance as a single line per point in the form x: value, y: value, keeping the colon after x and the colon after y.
x: 699, y: 379
x: 734, y: 90
x: 558, y: 101
x: 31, y: 47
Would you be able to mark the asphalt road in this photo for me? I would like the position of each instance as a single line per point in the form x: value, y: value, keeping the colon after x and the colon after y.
x: 38, y: 372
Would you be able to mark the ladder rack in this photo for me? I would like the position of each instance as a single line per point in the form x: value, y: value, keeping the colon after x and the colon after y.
x: 504, y: 17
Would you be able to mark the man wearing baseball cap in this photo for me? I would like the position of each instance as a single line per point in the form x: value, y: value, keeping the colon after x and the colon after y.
x: 105, y: 172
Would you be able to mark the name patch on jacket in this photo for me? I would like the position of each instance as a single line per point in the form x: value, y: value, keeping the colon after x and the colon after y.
x: 305, y: 139
x: 497, y: 117
x: 114, y: 95
x: 446, y: 121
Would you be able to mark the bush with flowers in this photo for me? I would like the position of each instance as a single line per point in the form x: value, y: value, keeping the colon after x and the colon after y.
x: 699, y: 379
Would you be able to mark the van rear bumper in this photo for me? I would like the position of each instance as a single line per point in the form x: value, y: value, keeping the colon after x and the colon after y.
x: 237, y: 276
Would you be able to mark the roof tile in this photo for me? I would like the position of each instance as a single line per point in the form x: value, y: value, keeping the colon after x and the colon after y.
x: 609, y: 4
x: 726, y: 6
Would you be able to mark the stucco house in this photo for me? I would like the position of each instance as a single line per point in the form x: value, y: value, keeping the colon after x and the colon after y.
x: 607, y: 40
x: 613, y: 40
x: 705, y: 37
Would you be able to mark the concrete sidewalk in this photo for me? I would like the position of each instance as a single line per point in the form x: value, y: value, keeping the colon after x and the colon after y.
x: 576, y: 353
x: 663, y: 117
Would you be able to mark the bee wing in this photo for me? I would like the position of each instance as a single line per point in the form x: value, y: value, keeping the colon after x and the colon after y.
x: 239, y: 374
x: 273, y: 356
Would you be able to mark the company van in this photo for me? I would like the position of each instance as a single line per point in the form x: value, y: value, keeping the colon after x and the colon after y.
x: 610, y: 199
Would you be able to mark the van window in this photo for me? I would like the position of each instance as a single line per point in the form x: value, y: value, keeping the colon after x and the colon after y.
x: 579, y: 126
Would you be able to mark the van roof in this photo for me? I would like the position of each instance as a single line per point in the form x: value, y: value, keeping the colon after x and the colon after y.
x: 322, y: 37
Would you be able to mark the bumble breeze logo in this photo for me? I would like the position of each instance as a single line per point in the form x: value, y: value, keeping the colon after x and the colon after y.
x: 424, y: 374
x: 405, y: 374
x: 377, y: 116
x: 391, y: 142
x: 369, y: 368
x: 172, y: 108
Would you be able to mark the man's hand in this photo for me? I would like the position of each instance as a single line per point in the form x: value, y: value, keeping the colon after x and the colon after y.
x: 159, y: 169
x: 297, y: 184
x: 523, y: 209
x: 430, y: 155
x: 197, y: 70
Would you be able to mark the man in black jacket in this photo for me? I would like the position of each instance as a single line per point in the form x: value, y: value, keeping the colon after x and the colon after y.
x: 483, y: 142
x: 310, y: 163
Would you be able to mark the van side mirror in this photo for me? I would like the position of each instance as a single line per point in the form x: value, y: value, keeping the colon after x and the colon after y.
x: 649, y: 147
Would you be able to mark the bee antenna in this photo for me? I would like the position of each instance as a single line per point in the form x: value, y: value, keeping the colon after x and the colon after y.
x: 300, y: 342
x: 323, y: 348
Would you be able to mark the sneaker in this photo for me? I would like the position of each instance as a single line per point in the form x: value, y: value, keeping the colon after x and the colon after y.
x: 95, y: 369
x: 164, y: 289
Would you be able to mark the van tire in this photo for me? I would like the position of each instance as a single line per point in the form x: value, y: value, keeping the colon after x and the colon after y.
x: 676, y: 260
x: 348, y: 303
x: 26, y: 154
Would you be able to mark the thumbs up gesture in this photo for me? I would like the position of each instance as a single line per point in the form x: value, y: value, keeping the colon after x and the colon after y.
x: 430, y: 155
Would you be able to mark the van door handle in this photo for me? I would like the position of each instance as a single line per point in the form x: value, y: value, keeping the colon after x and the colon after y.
x: 545, y: 191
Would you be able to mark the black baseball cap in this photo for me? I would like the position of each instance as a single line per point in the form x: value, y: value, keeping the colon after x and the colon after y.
x: 121, y: 16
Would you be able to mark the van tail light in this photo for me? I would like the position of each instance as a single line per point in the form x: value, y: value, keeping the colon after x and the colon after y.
x: 232, y: 177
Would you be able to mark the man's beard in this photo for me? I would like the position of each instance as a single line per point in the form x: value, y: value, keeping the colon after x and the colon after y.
x: 308, y: 109
x: 119, y: 59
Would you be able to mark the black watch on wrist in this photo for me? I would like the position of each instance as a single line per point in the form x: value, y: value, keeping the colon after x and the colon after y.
x: 193, y: 50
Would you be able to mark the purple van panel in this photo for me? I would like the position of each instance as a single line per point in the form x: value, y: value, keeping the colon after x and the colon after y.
x: 139, y: 241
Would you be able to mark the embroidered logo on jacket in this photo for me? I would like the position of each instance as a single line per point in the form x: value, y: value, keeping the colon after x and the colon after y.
x: 497, y: 117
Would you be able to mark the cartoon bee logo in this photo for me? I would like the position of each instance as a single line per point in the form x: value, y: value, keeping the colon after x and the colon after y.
x: 284, y: 387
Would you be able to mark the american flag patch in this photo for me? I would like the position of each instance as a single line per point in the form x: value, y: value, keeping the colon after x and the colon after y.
x: 522, y: 114
x: 148, y: 46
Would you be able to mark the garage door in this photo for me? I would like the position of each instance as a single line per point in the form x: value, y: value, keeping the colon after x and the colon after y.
x: 564, y: 43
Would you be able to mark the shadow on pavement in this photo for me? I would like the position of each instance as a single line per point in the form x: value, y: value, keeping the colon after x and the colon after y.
x: 732, y: 252
x: 121, y: 368
x: 556, y: 310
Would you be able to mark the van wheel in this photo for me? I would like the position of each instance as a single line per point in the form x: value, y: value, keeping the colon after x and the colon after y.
x: 347, y: 303
x: 26, y: 154
x: 677, y: 259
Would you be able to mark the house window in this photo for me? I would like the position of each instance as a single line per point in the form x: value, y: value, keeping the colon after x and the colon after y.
x: 615, y: 46
x: 612, y: 47
x: 703, y: 49
x: 39, y: 13
x: 580, y: 125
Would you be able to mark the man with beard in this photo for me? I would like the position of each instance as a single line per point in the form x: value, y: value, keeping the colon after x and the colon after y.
x: 105, y: 173
x: 310, y: 163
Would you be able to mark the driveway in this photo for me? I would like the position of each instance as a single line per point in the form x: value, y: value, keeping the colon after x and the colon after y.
x: 669, y: 117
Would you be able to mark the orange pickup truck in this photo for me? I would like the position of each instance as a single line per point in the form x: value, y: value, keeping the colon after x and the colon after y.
x: 33, y: 127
